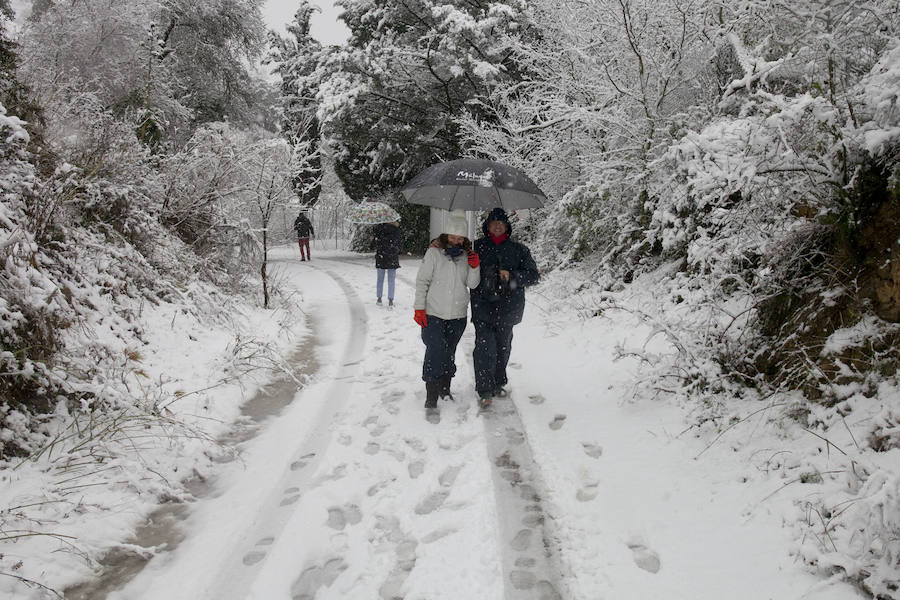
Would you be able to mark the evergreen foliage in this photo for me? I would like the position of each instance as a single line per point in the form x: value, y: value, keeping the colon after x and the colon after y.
x: 295, y: 61
x: 390, y: 98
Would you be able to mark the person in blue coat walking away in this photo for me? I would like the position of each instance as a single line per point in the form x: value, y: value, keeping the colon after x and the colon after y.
x: 388, y: 243
x: 448, y: 271
x: 498, y: 302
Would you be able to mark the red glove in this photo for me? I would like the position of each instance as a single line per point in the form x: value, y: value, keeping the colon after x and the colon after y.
x: 474, y: 261
x: 420, y: 318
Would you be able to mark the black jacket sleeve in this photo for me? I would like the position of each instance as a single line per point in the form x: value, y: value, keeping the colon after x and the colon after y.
x: 526, y: 272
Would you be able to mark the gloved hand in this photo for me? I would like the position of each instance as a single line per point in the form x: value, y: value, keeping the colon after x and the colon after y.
x: 420, y: 318
x: 474, y: 261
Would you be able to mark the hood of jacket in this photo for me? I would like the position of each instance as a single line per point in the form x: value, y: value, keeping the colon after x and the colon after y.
x: 497, y: 214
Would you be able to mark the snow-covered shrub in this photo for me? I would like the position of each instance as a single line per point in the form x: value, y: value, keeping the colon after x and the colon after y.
x: 857, y: 533
x: 33, y: 307
x: 785, y: 214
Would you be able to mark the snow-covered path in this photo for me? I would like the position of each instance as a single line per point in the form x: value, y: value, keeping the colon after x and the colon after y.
x: 349, y: 493
x: 562, y: 491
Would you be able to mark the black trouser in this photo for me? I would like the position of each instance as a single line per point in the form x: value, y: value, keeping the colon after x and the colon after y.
x: 441, y: 338
x: 493, y: 343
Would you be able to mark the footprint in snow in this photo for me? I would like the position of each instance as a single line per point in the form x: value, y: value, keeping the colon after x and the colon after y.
x: 505, y: 461
x: 252, y: 558
x: 339, y: 472
x: 373, y: 448
x: 435, y: 500
x: 437, y: 535
x: 397, y: 453
x: 592, y: 450
x: 432, y: 502
x: 316, y: 577
x: 302, y: 462
x: 391, y: 402
x: 522, y: 540
x: 557, y: 422
x: 588, y: 492
x: 290, y: 497
x: 448, y: 477
x: 546, y: 591
x: 380, y: 486
x: 513, y: 476
x: 415, y: 444
x: 528, y: 493
x: 515, y: 437
x: 338, y: 517
x: 523, y: 580
x: 526, y: 562
x: 416, y: 468
x: 644, y: 557
x: 536, y: 399
x: 533, y: 519
x: 392, y: 588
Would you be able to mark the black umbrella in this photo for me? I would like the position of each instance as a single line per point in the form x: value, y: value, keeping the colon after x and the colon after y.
x: 473, y: 184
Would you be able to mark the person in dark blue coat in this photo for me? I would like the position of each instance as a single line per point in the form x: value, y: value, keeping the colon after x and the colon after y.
x: 498, y: 302
x: 388, y: 243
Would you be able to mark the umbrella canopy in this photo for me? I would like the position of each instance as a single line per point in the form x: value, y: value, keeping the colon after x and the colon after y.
x: 473, y: 184
x: 372, y: 213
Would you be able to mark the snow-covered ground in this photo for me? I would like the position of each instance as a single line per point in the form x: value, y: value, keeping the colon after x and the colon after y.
x: 573, y: 487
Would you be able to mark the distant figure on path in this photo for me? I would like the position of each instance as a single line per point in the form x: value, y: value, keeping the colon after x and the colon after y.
x: 498, y: 302
x: 388, y: 245
x: 304, y: 230
x: 447, y: 274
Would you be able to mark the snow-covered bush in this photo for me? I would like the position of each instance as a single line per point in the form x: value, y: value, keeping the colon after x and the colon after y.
x: 33, y: 307
x: 750, y: 166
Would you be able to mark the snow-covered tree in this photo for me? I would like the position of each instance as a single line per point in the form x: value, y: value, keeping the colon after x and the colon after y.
x: 295, y: 60
x: 608, y: 85
x: 389, y: 99
x: 171, y: 65
x: 14, y: 94
x: 269, y: 168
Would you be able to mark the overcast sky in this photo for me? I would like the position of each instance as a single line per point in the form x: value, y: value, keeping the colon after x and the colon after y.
x: 325, y: 25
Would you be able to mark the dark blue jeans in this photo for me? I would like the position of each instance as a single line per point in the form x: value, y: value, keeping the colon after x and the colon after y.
x: 493, y: 343
x: 441, y: 337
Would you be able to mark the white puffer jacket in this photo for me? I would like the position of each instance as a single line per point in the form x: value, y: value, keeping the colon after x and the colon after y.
x: 442, y: 284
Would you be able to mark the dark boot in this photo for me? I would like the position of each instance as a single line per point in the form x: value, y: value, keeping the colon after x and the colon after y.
x: 432, y: 390
x: 445, y: 388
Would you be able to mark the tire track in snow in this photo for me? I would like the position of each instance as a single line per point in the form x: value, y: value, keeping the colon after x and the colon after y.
x: 238, y: 576
x: 529, y: 558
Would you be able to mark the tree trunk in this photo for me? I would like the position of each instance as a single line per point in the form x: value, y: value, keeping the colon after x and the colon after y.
x: 263, y: 270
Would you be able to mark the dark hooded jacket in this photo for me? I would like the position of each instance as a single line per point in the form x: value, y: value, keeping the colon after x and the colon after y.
x: 494, y: 301
x: 388, y: 243
x: 303, y: 226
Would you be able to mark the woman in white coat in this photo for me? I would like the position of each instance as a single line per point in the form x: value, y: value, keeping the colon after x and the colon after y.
x: 447, y: 274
